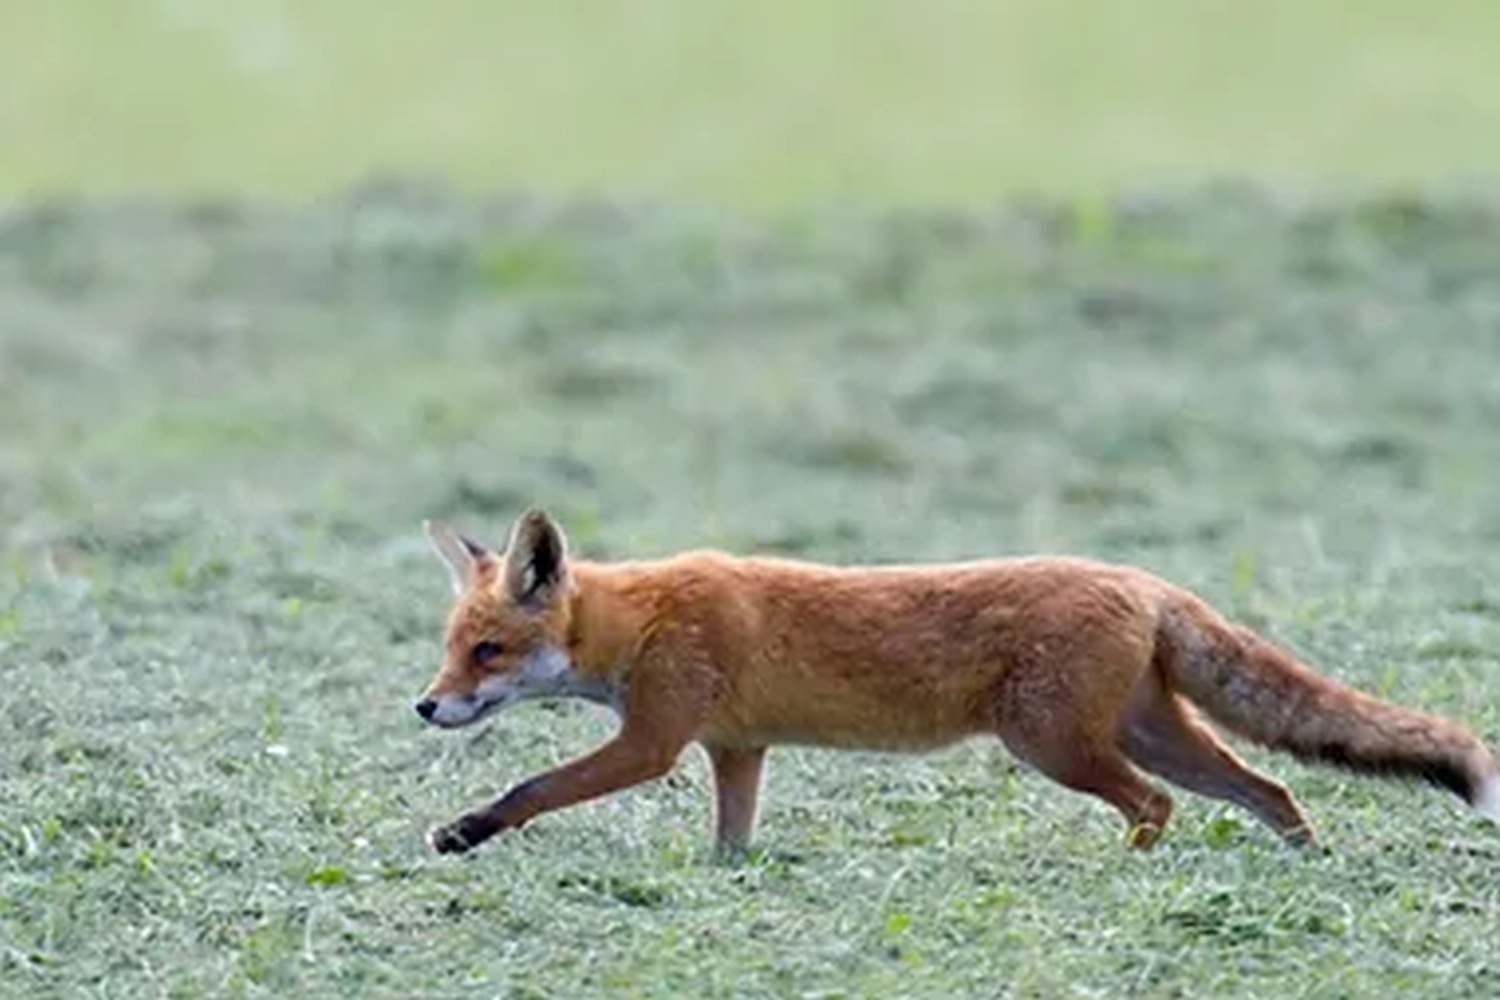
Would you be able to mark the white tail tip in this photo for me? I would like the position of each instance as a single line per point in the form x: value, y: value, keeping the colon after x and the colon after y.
x: 1487, y: 802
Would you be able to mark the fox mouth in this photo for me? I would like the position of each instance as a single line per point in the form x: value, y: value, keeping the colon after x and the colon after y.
x: 451, y: 711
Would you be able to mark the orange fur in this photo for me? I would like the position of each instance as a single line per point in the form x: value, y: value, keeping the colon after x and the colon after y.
x: 1090, y: 672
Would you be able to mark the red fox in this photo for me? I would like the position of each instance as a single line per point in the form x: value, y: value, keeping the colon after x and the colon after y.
x: 1089, y: 672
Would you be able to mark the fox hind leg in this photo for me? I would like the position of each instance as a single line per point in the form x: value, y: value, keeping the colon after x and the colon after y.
x: 1085, y: 764
x: 1161, y: 734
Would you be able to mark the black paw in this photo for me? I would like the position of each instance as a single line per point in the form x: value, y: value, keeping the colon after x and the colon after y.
x: 457, y: 837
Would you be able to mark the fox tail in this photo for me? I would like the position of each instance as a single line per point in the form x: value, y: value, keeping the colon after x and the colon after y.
x: 1260, y: 691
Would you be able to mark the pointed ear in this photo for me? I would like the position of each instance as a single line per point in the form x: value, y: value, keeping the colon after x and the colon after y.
x: 460, y: 554
x: 536, y: 560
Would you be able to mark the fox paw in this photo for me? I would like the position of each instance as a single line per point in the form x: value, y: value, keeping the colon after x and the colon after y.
x: 1142, y: 836
x: 452, y: 838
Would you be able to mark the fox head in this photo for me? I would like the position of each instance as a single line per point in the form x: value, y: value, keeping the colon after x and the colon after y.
x: 507, y: 632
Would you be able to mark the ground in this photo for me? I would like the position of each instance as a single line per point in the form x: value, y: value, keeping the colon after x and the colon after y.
x: 224, y: 420
x: 849, y: 281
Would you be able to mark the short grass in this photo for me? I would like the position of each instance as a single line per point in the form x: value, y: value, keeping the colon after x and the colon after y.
x: 762, y: 102
x: 221, y: 423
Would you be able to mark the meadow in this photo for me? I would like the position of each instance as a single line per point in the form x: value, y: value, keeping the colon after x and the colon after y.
x: 853, y: 282
x: 223, y: 422
x: 763, y: 104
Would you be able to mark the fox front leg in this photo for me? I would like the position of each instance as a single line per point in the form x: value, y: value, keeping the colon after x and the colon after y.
x: 621, y: 763
x: 665, y: 707
x: 737, y: 776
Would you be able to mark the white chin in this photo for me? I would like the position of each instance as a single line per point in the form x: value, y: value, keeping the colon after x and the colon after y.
x: 457, y: 714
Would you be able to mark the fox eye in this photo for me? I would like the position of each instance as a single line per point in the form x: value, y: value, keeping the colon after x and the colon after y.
x: 484, y: 652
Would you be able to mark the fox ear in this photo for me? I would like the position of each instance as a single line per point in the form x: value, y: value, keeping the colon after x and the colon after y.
x: 536, y: 560
x: 460, y: 554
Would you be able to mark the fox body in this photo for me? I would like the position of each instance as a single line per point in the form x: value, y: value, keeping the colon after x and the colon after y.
x: 1091, y: 673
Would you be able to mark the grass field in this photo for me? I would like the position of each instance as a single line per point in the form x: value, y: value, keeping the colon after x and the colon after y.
x: 768, y: 104
x: 222, y: 422
x: 229, y: 396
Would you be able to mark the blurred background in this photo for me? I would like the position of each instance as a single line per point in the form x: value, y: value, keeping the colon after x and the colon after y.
x: 1209, y: 287
x: 761, y: 104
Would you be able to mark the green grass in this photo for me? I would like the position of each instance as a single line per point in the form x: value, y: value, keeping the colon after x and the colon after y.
x: 766, y: 104
x: 221, y: 423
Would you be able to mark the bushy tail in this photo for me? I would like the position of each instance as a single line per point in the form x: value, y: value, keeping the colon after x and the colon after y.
x: 1262, y: 692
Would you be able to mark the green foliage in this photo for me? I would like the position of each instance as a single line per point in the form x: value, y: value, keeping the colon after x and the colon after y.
x: 219, y: 431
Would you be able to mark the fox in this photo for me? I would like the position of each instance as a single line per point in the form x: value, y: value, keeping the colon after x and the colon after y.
x: 1097, y: 675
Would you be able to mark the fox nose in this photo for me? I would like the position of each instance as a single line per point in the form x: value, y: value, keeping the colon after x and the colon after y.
x: 426, y: 707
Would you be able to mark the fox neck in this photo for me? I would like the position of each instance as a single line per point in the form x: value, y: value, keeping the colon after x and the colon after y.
x: 607, y: 620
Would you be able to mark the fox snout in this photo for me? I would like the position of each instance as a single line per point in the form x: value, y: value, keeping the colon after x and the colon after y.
x: 451, y: 709
x: 448, y: 710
